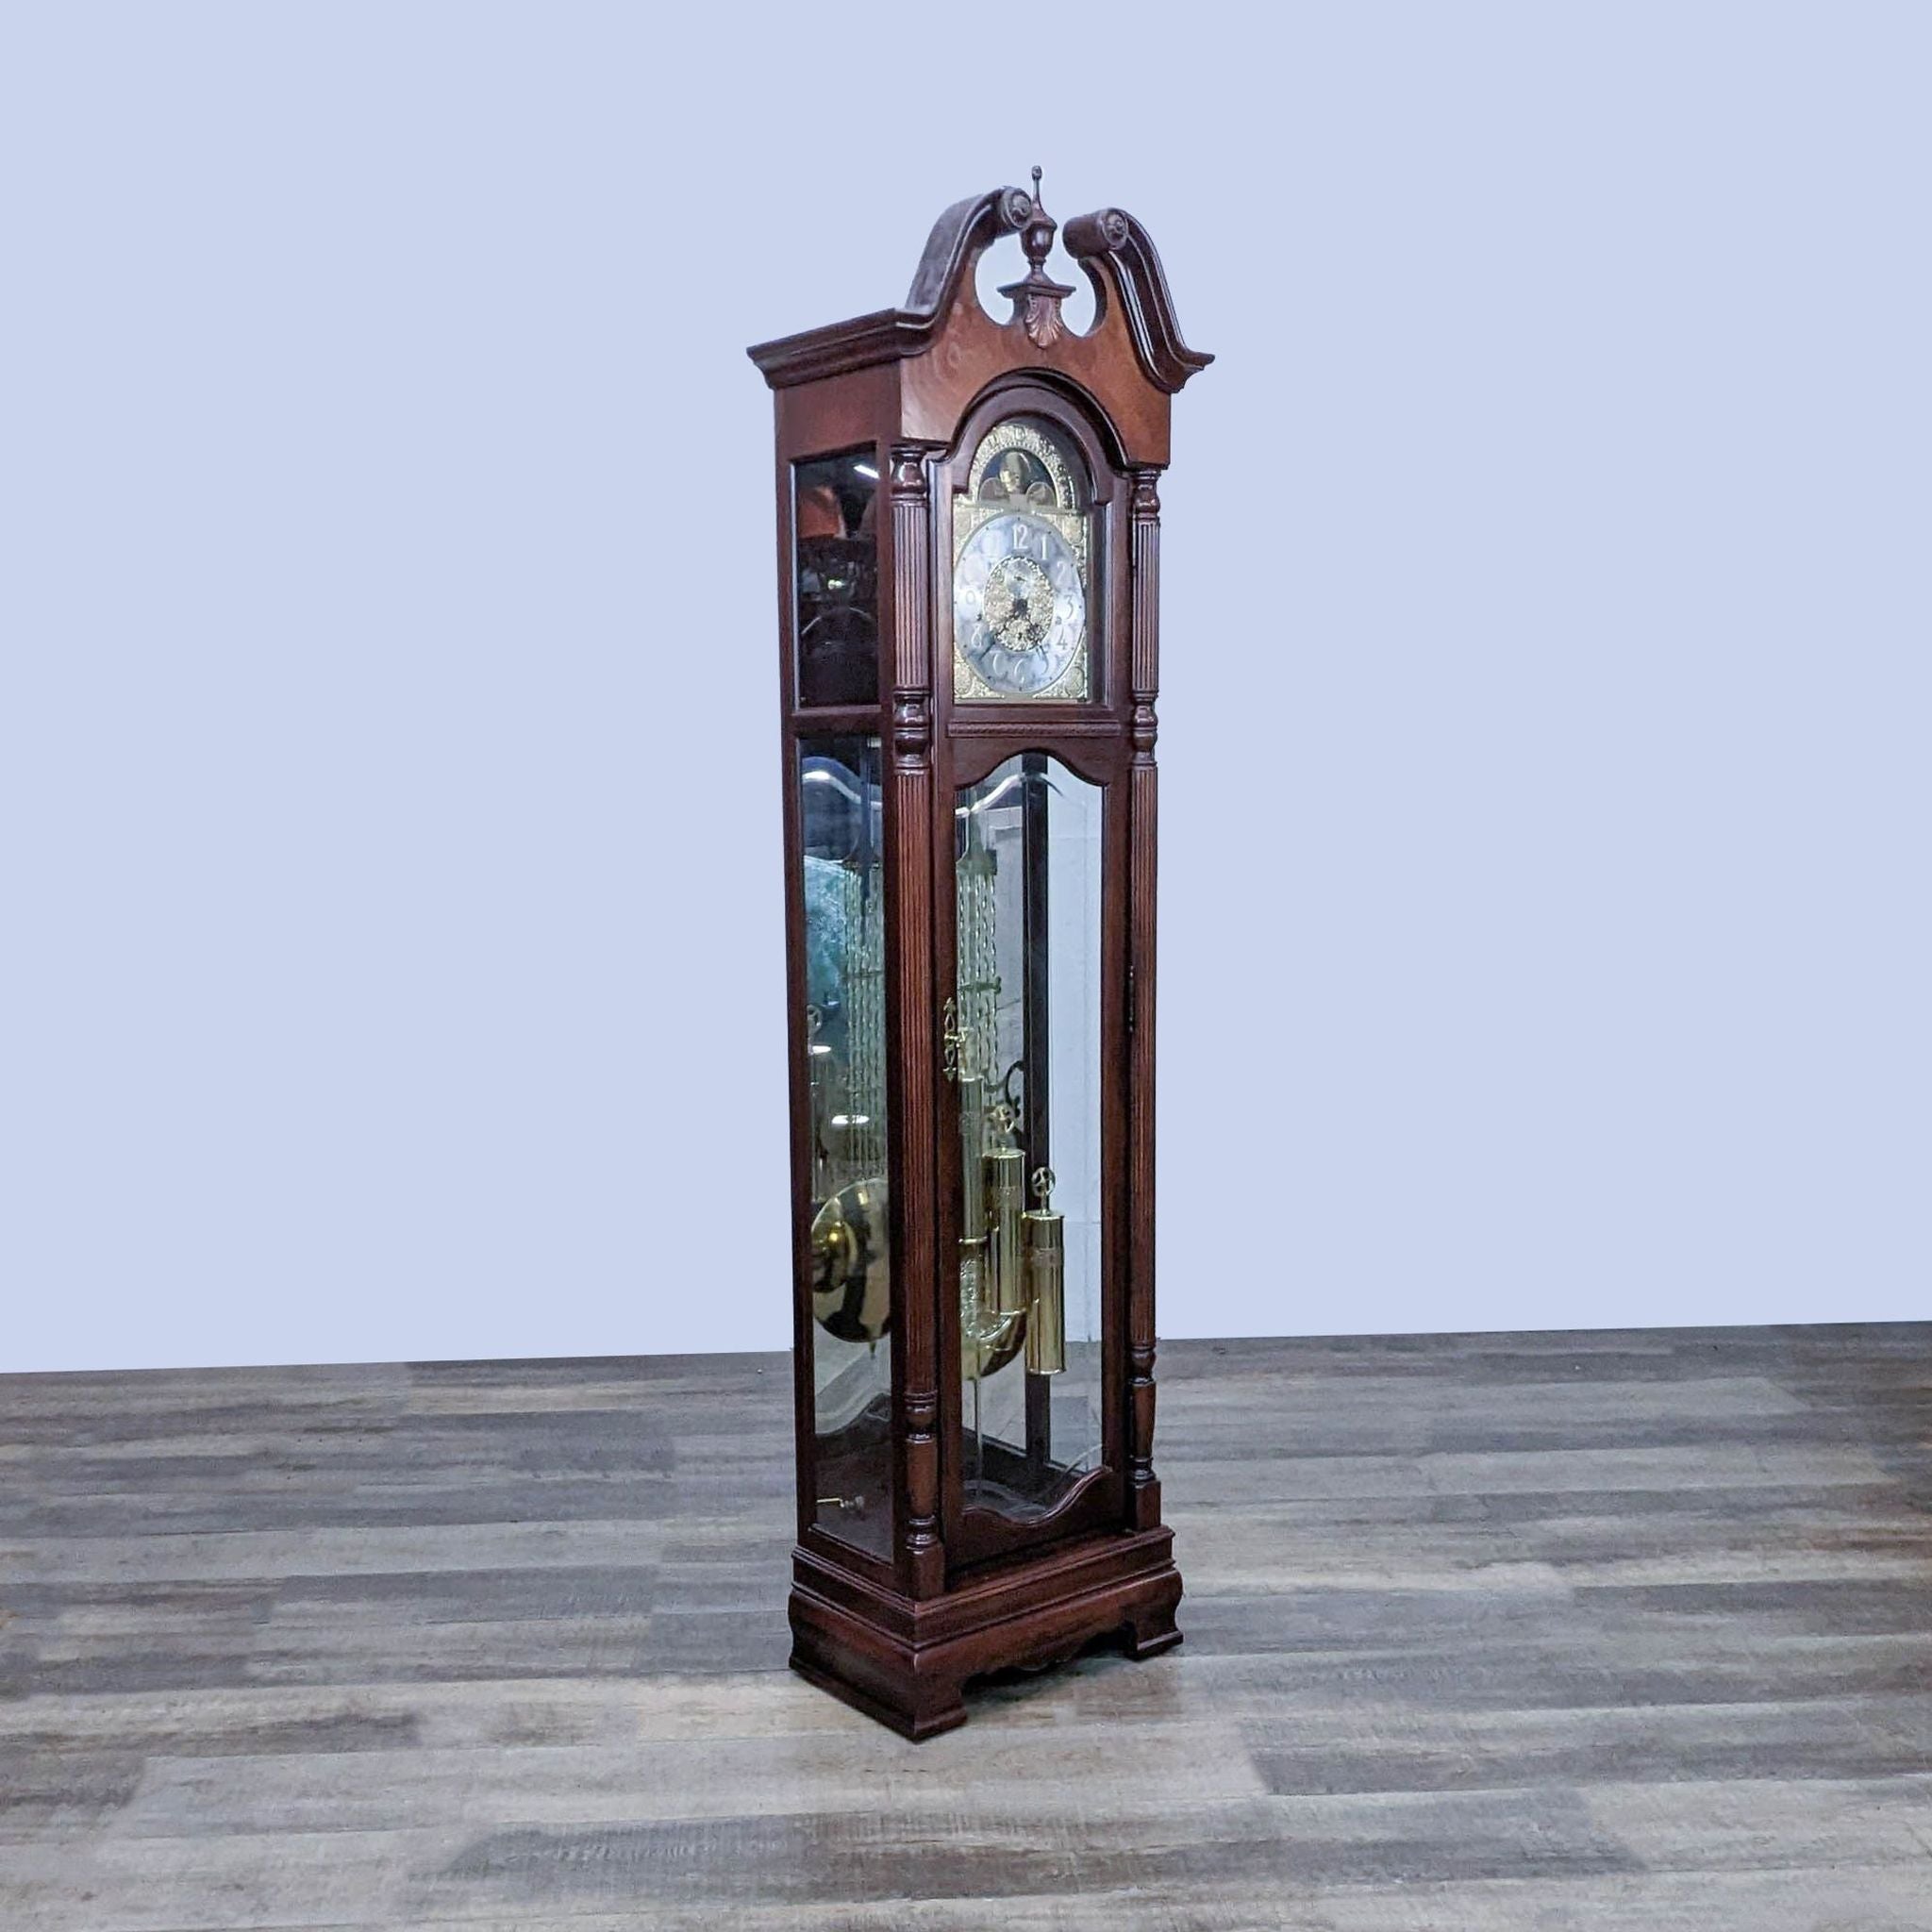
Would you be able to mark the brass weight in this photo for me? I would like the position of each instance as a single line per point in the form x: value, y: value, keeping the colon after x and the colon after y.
x: 1045, y: 1236
x: 1006, y: 1169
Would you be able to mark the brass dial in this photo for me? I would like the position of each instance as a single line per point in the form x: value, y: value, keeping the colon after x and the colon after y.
x: 1022, y: 551
x: 1019, y: 605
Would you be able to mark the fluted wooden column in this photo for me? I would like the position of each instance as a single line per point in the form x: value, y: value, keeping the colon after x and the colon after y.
x: 913, y: 1044
x: 1144, y: 1487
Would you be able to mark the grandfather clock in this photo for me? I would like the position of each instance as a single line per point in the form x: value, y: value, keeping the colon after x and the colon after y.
x: 968, y: 562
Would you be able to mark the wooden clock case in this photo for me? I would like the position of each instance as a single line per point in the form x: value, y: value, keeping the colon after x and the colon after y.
x: 898, y: 1628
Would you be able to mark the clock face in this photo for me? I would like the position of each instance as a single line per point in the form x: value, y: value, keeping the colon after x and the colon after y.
x: 1019, y: 606
x: 1021, y: 547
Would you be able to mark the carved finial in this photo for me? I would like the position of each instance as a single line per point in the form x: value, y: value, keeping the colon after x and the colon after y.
x: 1037, y: 300
x: 1036, y: 238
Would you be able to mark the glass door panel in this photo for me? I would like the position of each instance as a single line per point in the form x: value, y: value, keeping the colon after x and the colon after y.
x: 1024, y: 1045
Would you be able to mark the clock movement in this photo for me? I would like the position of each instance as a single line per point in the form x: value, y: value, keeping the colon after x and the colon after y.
x: 968, y: 558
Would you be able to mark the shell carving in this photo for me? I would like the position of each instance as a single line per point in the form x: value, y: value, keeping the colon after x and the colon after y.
x: 1042, y: 320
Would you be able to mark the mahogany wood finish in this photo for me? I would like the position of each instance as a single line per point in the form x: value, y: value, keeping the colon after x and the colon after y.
x: 964, y: 1593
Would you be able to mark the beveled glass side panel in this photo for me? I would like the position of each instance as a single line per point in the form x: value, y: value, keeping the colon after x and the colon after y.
x: 1026, y: 1026
x: 835, y: 577
x: 848, y: 1235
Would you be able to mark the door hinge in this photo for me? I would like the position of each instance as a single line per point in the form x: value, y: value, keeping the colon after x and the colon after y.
x: 1130, y: 998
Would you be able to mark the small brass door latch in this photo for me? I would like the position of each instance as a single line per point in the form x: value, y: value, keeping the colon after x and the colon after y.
x: 951, y: 1039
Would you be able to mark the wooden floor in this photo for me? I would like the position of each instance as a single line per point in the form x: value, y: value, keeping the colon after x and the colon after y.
x: 1515, y: 1633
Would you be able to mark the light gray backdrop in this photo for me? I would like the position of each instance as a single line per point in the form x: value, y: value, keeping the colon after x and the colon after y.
x: 389, y: 818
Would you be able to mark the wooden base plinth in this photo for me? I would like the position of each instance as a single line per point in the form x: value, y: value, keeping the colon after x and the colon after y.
x: 906, y: 1661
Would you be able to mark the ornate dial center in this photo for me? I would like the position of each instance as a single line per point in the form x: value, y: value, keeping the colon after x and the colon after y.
x: 1019, y: 603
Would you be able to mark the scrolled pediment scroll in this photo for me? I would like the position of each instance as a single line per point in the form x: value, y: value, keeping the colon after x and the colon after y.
x: 959, y: 238
x: 1119, y: 256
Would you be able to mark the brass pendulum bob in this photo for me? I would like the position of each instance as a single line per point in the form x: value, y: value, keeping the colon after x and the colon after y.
x: 1045, y: 1236
x: 851, y: 1262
